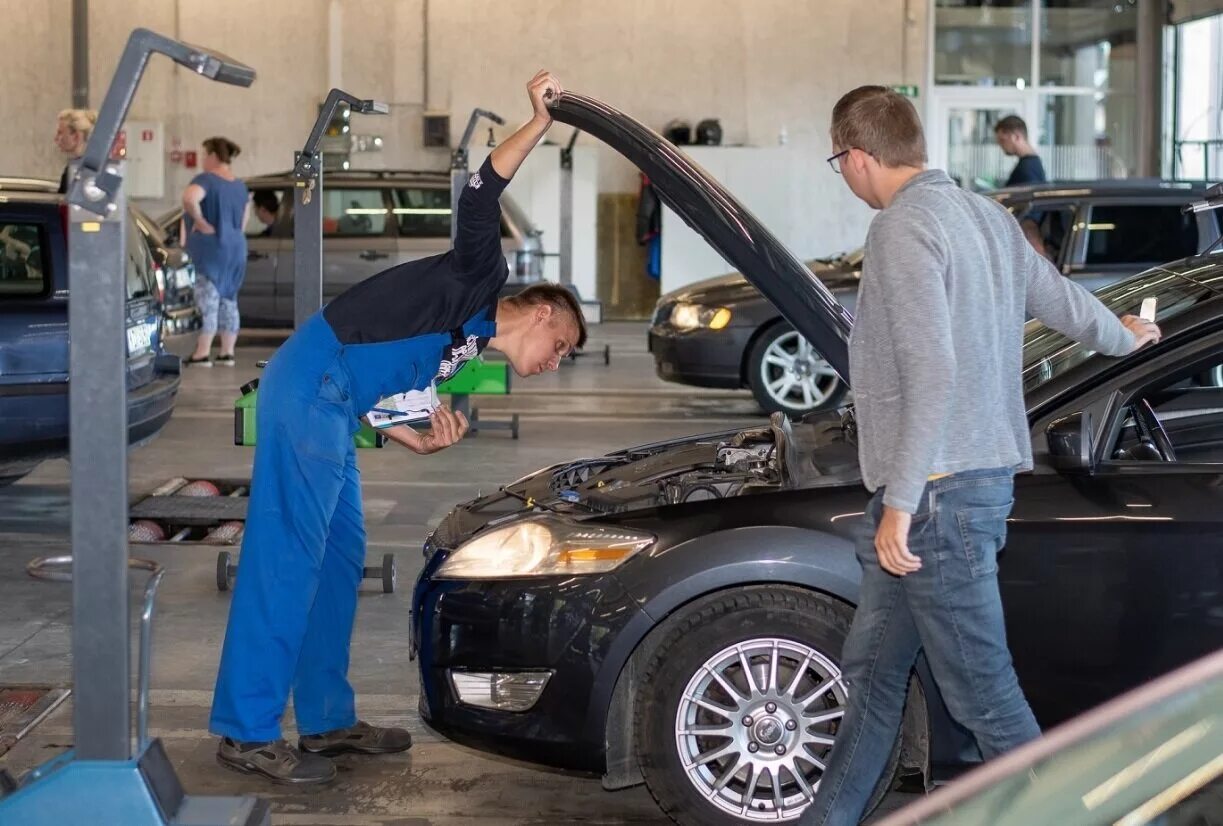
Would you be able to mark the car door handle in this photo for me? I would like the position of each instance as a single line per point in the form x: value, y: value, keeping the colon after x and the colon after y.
x: 373, y: 255
x: 256, y: 256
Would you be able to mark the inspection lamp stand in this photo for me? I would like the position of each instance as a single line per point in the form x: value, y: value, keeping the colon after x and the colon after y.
x: 308, y: 211
x: 104, y: 780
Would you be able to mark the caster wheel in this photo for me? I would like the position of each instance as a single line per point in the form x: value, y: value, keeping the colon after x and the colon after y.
x: 226, y: 570
x: 607, y: 354
x: 388, y: 574
x: 514, y: 427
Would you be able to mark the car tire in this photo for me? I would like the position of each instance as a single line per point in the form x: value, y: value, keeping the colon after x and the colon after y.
x: 787, y: 389
x: 749, y: 618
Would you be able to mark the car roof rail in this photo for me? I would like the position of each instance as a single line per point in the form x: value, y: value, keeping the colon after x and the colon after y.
x: 357, y: 174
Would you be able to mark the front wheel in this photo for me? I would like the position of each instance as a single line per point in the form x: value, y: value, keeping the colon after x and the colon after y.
x: 786, y: 374
x: 740, y: 706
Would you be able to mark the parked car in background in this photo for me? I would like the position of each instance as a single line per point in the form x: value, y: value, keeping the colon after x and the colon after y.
x: 722, y: 333
x: 34, y: 295
x: 175, y: 277
x: 675, y: 612
x: 371, y: 221
x: 1154, y: 756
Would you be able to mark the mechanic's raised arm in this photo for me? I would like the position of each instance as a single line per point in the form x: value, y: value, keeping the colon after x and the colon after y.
x: 477, y: 240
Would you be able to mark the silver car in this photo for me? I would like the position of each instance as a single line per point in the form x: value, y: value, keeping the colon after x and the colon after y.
x: 372, y: 220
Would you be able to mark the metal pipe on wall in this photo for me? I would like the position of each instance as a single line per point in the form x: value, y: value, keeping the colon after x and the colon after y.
x: 1152, y: 15
x: 80, y: 54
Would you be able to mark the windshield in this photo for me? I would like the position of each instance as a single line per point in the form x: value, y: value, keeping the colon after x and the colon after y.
x: 1048, y: 353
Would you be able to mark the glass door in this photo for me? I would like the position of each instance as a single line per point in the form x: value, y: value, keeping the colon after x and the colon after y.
x: 962, y: 134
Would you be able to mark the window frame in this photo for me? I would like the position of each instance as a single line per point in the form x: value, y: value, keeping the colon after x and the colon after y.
x: 44, y: 254
x: 390, y: 228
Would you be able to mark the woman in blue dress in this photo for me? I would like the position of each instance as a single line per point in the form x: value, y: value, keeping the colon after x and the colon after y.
x: 216, y: 207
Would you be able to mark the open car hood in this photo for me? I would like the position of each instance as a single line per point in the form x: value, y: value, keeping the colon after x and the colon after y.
x: 719, y: 218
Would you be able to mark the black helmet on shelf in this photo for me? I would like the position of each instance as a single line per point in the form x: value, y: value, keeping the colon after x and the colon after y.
x: 709, y: 132
x: 679, y: 132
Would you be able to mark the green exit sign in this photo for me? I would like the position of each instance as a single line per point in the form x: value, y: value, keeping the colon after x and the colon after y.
x: 907, y: 91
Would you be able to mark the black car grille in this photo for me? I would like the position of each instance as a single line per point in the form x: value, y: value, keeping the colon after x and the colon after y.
x: 662, y: 314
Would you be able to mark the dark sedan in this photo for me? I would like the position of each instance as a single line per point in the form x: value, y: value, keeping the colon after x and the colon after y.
x: 34, y: 295
x: 675, y: 612
x: 722, y: 333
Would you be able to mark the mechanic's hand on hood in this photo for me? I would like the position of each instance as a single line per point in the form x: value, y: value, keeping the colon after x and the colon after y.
x: 1144, y: 331
x: 542, y: 89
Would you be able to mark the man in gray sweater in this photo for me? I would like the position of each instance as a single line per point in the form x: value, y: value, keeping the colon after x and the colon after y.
x: 935, y: 354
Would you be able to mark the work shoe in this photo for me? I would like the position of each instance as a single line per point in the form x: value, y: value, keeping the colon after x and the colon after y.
x: 360, y: 739
x: 277, y: 761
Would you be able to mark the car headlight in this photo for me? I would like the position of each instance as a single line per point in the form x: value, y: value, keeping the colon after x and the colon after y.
x: 543, y: 548
x: 693, y: 316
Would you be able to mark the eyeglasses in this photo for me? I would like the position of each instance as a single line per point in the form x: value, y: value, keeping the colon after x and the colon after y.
x: 835, y: 160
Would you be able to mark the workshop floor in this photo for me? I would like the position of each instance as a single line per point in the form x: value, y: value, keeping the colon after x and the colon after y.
x: 585, y: 409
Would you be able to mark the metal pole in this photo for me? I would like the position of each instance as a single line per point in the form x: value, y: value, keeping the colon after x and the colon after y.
x: 308, y: 242
x: 80, y: 54
x: 1149, y: 101
x: 97, y: 402
x: 308, y: 208
x: 97, y: 398
x: 566, y: 242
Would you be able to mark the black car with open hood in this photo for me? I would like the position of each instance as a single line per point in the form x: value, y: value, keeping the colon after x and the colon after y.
x: 675, y: 612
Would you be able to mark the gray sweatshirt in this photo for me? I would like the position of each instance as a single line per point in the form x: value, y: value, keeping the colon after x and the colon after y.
x: 936, y: 349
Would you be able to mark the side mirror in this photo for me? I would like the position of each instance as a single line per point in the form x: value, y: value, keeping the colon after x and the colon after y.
x: 1070, y: 443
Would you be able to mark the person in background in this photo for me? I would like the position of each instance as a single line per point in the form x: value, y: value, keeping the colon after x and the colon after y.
x: 1012, y: 136
x: 72, y: 131
x: 216, y: 206
x: 267, y: 209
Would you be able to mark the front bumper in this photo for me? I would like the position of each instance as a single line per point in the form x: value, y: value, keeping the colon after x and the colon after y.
x: 570, y: 627
x: 704, y: 358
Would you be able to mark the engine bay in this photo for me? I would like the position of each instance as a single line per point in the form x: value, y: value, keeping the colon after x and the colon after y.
x: 782, y: 455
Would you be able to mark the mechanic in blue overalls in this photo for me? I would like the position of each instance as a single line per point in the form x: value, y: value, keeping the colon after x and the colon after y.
x: 290, y: 624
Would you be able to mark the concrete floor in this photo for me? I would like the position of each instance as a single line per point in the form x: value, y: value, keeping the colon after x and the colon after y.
x: 585, y: 409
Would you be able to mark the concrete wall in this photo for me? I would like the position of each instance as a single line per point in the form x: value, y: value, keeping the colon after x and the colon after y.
x: 758, y: 65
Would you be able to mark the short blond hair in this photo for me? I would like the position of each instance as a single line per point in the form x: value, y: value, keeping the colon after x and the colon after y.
x: 882, y: 123
x: 80, y: 121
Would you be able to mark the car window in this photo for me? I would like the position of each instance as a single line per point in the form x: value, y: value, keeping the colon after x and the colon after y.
x: 1048, y: 353
x: 353, y: 213
x: 140, y: 277
x: 422, y: 212
x: 1048, y: 226
x: 271, y: 201
x: 1140, y: 234
x: 23, y: 268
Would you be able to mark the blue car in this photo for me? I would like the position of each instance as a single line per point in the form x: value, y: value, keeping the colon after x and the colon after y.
x: 34, y: 334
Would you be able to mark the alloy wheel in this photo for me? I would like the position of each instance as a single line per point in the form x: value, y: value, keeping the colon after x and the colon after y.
x: 755, y: 725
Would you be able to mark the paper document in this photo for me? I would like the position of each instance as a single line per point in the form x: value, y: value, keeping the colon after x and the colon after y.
x: 412, y: 406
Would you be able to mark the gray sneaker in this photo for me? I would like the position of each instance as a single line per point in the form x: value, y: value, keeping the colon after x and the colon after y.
x: 277, y: 761
x: 360, y: 739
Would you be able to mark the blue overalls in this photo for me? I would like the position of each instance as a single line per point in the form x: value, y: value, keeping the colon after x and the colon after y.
x: 291, y: 620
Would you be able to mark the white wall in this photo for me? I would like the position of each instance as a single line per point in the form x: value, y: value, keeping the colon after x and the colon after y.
x: 758, y: 65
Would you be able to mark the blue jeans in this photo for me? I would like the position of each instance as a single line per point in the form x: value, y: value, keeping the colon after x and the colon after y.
x: 950, y: 609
